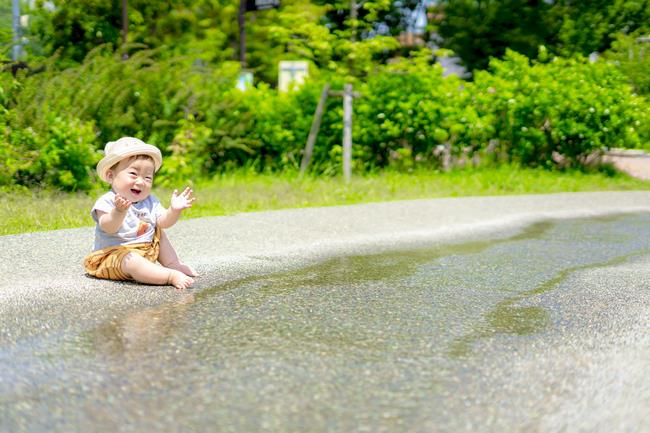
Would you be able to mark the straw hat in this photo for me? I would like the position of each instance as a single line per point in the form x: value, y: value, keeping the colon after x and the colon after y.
x: 115, y: 151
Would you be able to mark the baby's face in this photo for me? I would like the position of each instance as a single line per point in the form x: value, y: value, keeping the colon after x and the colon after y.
x: 132, y: 178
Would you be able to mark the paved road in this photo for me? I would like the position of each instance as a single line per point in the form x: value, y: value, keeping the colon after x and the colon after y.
x: 44, y: 296
x: 223, y: 248
x: 636, y: 163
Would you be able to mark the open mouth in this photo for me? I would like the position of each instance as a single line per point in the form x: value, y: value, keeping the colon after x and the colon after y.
x: 135, y: 191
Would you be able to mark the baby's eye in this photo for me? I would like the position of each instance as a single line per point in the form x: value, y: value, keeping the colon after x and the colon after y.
x: 149, y: 178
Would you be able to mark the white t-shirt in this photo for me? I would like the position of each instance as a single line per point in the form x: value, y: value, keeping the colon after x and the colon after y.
x: 139, y: 223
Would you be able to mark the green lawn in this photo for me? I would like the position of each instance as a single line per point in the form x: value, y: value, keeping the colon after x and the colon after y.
x: 27, y: 211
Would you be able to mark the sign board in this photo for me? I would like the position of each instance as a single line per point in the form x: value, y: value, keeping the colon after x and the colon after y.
x: 245, y: 80
x: 292, y: 74
x: 260, y: 5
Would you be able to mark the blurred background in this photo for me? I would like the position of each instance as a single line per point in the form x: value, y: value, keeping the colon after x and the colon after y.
x: 219, y: 85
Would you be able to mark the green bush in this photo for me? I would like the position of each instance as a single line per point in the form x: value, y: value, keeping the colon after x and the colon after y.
x: 546, y: 113
x: 68, y: 155
x: 229, y: 128
x: 633, y: 58
x: 63, y: 156
x: 282, y: 122
x: 411, y: 114
x: 559, y: 111
x: 18, y: 151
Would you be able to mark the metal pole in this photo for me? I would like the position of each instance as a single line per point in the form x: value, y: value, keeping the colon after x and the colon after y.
x: 125, y: 28
x: 347, y: 132
x: 125, y: 21
x: 242, y: 33
x: 17, y: 49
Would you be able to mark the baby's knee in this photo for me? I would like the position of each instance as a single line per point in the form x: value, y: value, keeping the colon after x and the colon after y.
x: 130, y: 260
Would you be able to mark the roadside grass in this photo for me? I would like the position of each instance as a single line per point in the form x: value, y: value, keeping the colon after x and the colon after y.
x: 24, y: 211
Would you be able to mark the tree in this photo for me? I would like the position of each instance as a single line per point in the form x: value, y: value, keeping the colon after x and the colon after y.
x: 379, y: 17
x: 632, y: 55
x: 5, y: 29
x: 75, y: 27
x: 206, y: 31
x: 592, y: 26
x: 479, y: 29
x: 362, y: 34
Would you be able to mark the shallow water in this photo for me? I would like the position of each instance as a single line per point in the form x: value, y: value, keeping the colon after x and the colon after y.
x: 379, y: 343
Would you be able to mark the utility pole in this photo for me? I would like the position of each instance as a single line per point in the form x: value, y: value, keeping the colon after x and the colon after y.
x: 125, y: 21
x: 347, y: 132
x: 250, y: 6
x: 125, y: 27
x: 242, y: 33
x: 17, y: 49
x: 348, y: 94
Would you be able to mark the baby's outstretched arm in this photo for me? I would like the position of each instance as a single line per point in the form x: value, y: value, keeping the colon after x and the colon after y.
x: 111, y: 221
x: 179, y: 202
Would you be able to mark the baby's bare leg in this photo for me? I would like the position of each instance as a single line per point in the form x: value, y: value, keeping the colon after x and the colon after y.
x: 144, y: 271
x: 168, y: 257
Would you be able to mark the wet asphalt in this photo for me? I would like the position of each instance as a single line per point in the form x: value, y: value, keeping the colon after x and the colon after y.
x: 586, y: 371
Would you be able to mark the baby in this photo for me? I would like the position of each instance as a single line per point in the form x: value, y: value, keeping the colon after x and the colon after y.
x: 128, y: 235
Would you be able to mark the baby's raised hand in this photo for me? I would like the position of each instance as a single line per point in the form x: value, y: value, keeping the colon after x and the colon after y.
x: 183, y: 200
x: 121, y: 203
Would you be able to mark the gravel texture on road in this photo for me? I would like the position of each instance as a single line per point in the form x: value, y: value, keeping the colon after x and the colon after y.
x: 223, y: 248
x: 588, y: 373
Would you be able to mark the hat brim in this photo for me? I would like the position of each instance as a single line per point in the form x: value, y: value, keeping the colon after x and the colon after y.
x: 142, y: 149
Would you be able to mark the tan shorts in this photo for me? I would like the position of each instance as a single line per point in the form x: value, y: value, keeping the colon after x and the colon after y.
x: 107, y: 262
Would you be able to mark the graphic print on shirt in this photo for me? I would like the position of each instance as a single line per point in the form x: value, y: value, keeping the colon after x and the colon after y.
x: 144, y: 224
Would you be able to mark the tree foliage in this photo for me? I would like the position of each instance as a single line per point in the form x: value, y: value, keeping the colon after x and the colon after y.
x: 207, y: 31
x: 594, y: 25
x: 5, y: 28
x: 75, y: 27
x: 633, y: 58
x: 480, y: 29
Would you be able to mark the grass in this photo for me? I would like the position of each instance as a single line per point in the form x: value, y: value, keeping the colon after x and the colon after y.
x: 25, y: 211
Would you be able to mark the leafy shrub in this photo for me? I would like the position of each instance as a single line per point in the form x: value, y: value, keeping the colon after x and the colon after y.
x: 18, y: 151
x: 63, y: 157
x: 411, y: 112
x: 558, y: 111
x: 544, y: 113
x: 633, y: 58
x: 142, y: 96
x: 68, y: 156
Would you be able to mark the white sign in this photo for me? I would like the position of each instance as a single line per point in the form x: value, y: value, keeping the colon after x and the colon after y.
x: 292, y: 74
x: 245, y: 80
x: 260, y: 5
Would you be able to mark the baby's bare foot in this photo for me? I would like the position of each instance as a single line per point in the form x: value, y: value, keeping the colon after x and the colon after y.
x: 179, y: 280
x: 186, y: 269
